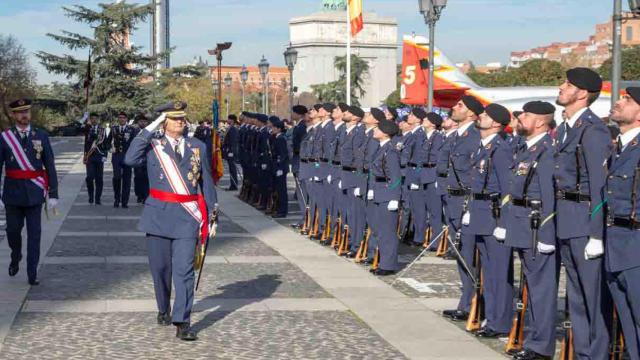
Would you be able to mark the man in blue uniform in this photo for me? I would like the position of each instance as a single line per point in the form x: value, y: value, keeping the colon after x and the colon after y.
x: 280, y: 164
x: 622, y: 262
x: 31, y: 179
x: 337, y: 208
x: 531, y: 196
x: 458, y: 182
x: 583, y: 147
x: 449, y: 128
x: 176, y: 214
x: 307, y: 168
x: 298, y: 134
x: 96, y: 150
x: 140, y: 176
x: 230, y: 150
x: 412, y: 185
x: 120, y: 138
x: 263, y: 150
x: 320, y: 152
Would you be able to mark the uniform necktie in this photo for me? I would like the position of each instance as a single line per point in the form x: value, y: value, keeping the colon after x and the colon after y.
x: 23, y: 138
x: 566, y: 131
x: 176, y: 148
x: 619, y: 145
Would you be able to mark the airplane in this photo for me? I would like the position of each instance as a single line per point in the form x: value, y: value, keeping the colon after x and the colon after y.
x: 450, y: 84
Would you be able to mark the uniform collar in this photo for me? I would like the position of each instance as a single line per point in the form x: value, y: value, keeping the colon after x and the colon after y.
x: 26, y: 130
x: 572, y: 121
x: 367, y: 131
x: 450, y: 132
x: 429, y: 133
x: 351, y: 127
x: 415, y: 129
x: 535, y: 140
x: 628, y: 136
x: 383, y: 142
x: 463, y: 128
x: 338, y: 125
x: 487, y: 140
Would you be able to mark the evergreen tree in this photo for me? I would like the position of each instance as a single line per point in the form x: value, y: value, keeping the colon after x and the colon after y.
x: 335, y: 91
x: 119, y: 76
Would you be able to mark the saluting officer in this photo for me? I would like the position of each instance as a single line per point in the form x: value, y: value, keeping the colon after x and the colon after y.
x: 31, y: 179
x: 176, y: 214
x: 622, y: 262
x: 531, y: 193
x: 120, y: 137
x: 465, y: 142
x: 230, y: 149
x: 140, y: 176
x: 583, y: 146
x: 96, y: 150
x: 280, y: 163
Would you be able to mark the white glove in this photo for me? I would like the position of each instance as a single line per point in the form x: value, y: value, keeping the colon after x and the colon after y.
x: 1, y: 205
x: 316, y: 179
x: 466, y: 218
x: 85, y: 117
x: 230, y: 155
x: 500, y: 233
x: 53, y: 203
x: 356, y: 192
x: 414, y: 187
x: 263, y: 166
x: 340, y: 184
x: 156, y: 123
x: 370, y: 195
x: 279, y: 173
x: 213, y: 229
x: 393, y: 205
x: 435, y: 184
x: 593, y: 249
x: 329, y: 179
x: 546, y: 248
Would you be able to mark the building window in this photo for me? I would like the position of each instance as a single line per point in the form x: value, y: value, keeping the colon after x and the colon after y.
x: 629, y: 33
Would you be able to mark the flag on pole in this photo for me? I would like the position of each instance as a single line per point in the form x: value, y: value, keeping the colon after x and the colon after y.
x: 355, y: 16
x: 217, y: 167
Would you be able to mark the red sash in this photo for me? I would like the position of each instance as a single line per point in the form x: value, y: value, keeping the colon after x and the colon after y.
x: 178, y: 198
x: 18, y: 174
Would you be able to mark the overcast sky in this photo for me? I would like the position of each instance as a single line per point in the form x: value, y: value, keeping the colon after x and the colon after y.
x: 478, y: 30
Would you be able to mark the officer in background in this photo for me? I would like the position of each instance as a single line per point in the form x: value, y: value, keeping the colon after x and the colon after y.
x: 431, y: 147
x: 449, y: 128
x: 579, y: 209
x: 140, y: 176
x: 280, y: 163
x: 96, y: 150
x: 31, y: 179
x: 120, y: 138
x: 412, y: 185
x: 622, y: 262
x: 298, y: 134
x: 531, y: 183
x: 230, y: 150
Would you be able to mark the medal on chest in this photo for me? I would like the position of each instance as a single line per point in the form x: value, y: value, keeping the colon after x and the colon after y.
x: 37, y: 146
x: 522, y: 168
x: 482, y: 167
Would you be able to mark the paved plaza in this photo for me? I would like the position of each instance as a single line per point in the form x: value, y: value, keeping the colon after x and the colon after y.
x: 267, y: 292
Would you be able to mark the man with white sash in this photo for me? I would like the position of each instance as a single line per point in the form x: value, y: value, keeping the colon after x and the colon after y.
x: 176, y: 215
x: 27, y: 156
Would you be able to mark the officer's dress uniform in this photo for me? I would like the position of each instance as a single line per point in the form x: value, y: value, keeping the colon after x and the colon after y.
x: 431, y: 146
x: 365, y: 208
x: 531, y: 178
x: 319, y: 201
x: 280, y: 154
x: 579, y: 216
x: 22, y: 197
x: 354, y: 139
x: 171, y: 231
x: 330, y: 135
x: 229, y: 151
x: 338, y: 203
x: 95, y: 157
x: 622, y: 245
x: 264, y: 171
x: 121, y: 137
x: 491, y: 165
x: 442, y: 173
x: 412, y: 186
x: 405, y: 146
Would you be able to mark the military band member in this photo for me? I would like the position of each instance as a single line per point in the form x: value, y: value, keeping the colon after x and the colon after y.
x: 280, y: 163
x: 229, y: 149
x: 140, y: 176
x: 431, y: 147
x: 30, y: 180
x: 120, y: 138
x: 175, y: 216
x: 96, y: 151
x: 465, y: 142
x: 531, y: 182
x: 583, y: 147
x: 622, y: 262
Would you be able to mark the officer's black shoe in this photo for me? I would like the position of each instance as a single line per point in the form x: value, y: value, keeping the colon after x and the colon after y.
x: 90, y: 200
x: 456, y: 315
x: 231, y: 189
x: 413, y: 244
x: 449, y: 255
x: 164, y: 319
x: 368, y: 261
x: 34, y: 282
x: 98, y: 202
x: 140, y: 200
x: 14, y: 268
x: 326, y: 242
x: 184, y: 332
x: 489, y: 333
x: 527, y: 354
x: 382, y: 272
x: 351, y: 254
x: 279, y: 216
x: 296, y: 226
x: 116, y: 204
x: 125, y: 206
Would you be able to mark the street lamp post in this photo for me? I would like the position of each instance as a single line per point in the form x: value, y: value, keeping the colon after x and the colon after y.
x: 290, y: 58
x: 431, y: 10
x: 244, y: 76
x: 616, y: 58
x: 263, y: 66
x: 227, y: 84
x: 217, y: 52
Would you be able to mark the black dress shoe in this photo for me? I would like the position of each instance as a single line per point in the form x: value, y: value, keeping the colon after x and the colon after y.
x: 527, y: 354
x: 382, y: 272
x: 278, y: 216
x: 14, y: 268
x: 412, y: 244
x: 116, y: 204
x: 456, y: 315
x: 367, y: 261
x: 489, y: 333
x: 125, y: 206
x: 98, y: 202
x: 325, y: 242
x: 34, y: 282
x: 296, y: 226
x: 164, y: 319
x: 351, y: 254
x: 184, y: 332
x: 90, y: 200
x: 449, y: 255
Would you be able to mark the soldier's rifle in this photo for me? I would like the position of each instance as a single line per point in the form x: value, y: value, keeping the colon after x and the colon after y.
x: 516, y: 334
x: 476, y: 311
x: 616, y: 348
x: 566, y: 350
x: 444, y: 229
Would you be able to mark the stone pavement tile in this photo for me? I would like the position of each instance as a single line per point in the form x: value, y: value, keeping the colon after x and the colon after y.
x: 239, y: 246
x: 133, y: 281
x: 222, y: 335
x: 429, y: 280
x: 106, y: 209
x: 99, y: 225
x: 98, y: 246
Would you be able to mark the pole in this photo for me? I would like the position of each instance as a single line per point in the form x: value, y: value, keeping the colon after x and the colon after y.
x: 616, y: 68
x: 432, y: 27
x: 264, y: 95
x: 291, y: 93
x: 348, y: 79
x: 242, y: 97
x: 219, y: 58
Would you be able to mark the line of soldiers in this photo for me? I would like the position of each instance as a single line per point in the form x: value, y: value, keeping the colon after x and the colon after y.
x: 468, y: 190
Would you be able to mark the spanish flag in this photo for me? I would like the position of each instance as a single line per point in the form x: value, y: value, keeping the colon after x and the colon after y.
x: 355, y: 16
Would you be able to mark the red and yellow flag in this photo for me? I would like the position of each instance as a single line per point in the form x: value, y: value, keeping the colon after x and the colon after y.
x: 355, y: 16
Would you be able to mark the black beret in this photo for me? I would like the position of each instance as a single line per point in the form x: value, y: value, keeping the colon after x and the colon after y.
x: 378, y: 114
x: 585, y: 79
x: 634, y: 93
x: 388, y: 127
x: 274, y: 119
x: 317, y: 107
x: 94, y: 113
x: 174, y: 106
x: 343, y: 107
x: 300, y: 109
x: 517, y: 113
x: 356, y: 111
x: 328, y: 107
x: 393, y: 112
x: 280, y: 125
x: 419, y: 113
x: 262, y: 118
x: 20, y: 105
x: 122, y: 113
x: 434, y: 118
x: 498, y: 113
x: 245, y: 113
x: 539, y: 107
x: 141, y: 117
x: 473, y: 104
x: 233, y: 117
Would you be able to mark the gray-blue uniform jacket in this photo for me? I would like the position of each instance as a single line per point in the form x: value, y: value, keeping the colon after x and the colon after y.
x: 414, y: 157
x: 348, y: 156
x: 299, y: 132
x: 442, y: 164
x: 430, y: 149
x: 459, y: 170
x: 385, y: 175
